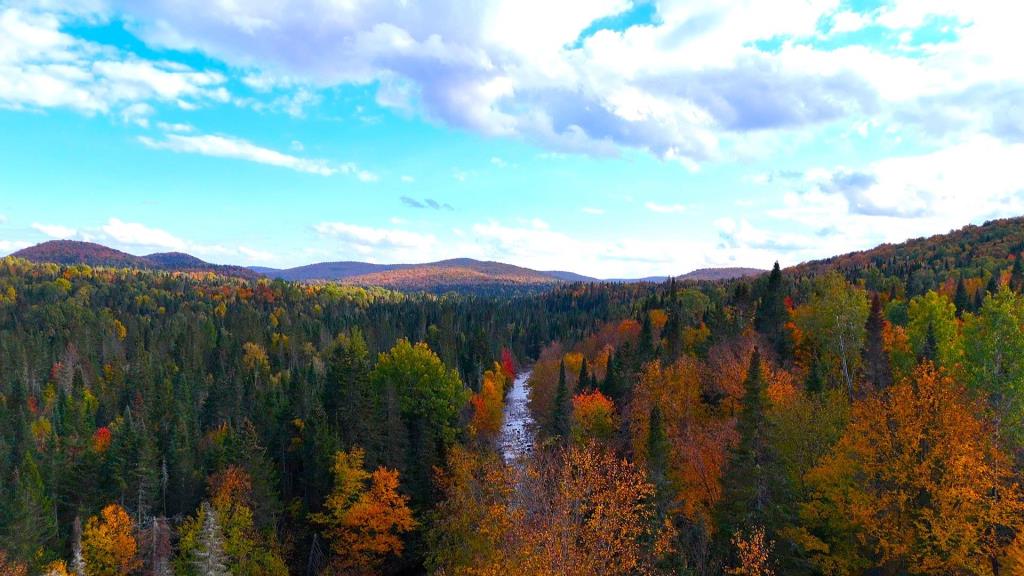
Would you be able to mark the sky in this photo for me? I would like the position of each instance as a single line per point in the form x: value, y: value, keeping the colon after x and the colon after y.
x: 613, y: 138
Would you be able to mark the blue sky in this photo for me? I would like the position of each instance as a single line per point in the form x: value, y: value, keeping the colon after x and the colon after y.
x: 607, y: 137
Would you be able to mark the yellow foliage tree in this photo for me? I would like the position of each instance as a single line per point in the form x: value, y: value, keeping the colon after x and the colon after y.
x: 108, y: 543
x: 919, y: 480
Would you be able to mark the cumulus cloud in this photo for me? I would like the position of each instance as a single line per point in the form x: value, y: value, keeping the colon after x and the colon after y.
x: 43, y: 67
x: 692, y: 84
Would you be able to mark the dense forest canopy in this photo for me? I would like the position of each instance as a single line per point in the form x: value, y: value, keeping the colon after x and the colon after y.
x: 856, y: 416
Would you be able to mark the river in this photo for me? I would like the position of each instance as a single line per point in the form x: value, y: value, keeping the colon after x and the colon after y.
x: 517, y: 432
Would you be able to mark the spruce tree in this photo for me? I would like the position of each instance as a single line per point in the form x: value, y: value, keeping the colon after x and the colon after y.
x: 1017, y: 274
x: 583, y: 382
x: 771, y: 313
x: 877, y: 369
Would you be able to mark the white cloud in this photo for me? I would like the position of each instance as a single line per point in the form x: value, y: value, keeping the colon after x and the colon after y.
x: 174, y: 127
x: 665, y: 208
x: 373, y: 237
x: 135, y: 234
x: 230, y: 147
x: 408, y: 179
x: 498, y: 162
x: 42, y: 67
x: 254, y: 255
x: 54, y: 230
x: 8, y: 246
x: 3, y: 219
x: 592, y: 211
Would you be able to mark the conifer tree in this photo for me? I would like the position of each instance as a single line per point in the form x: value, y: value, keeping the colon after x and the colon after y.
x: 562, y: 420
x: 209, y: 559
x: 877, y: 369
x: 961, y: 299
x: 746, y: 497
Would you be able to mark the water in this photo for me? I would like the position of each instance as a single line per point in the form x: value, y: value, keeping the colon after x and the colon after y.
x: 517, y: 432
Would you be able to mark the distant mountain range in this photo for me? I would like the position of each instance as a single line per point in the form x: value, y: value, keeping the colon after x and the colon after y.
x: 459, y: 274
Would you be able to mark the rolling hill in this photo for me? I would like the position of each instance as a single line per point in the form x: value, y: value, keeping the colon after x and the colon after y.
x: 459, y: 274
x: 69, y: 252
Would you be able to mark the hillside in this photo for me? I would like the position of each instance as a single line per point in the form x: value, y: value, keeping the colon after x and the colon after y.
x: 975, y: 253
x: 715, y: 274
x: 70, y: 252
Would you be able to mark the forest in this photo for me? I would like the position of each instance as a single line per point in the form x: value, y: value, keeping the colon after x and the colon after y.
x: 862, y: 415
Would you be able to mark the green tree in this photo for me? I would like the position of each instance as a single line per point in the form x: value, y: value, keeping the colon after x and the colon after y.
x: 933, y: 330
x: 832, y: 322
x: 562, y: 419
x: 994, y: 358
x: 428, y: 398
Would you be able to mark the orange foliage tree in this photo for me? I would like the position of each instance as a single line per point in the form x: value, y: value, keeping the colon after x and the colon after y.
x: 753, y: 551
x: 593, y: 417
x: 108, y: 543
x: 698, y: 437
x: 488, y: 403
x: 364, y: 517
x: 915, y: 484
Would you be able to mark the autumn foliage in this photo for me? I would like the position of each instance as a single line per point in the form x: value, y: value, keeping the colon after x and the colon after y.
x: 364, y: 517
x: 108, y: 543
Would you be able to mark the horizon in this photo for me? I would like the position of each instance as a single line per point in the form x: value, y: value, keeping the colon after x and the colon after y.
x: 613, y: 139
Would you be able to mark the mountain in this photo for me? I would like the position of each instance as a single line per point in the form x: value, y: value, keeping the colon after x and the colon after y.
x: 715, y: 274
x: 69, y: 252
x: 458, y: 274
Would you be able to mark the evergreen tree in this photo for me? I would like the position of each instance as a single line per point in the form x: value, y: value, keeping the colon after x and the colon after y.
x: 1017, y: 274
x: 815, y: 381
x: 583, y: 382
x: 658, y: 455
x: 930, y: 350
x: 993, y: 283
x: 611, y: 386
x: 209, y: 559
x: 32, y: 527
x: 770, y: 319
x: 961, y: 299
x: 877, y: 368
x: 562, y: 420
x: 746, y: 495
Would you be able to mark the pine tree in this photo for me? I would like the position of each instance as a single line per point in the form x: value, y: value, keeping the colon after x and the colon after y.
x: 1017, y: 274
x: 562, y: 420
x: 209, y: 559
x: 877, y: 368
